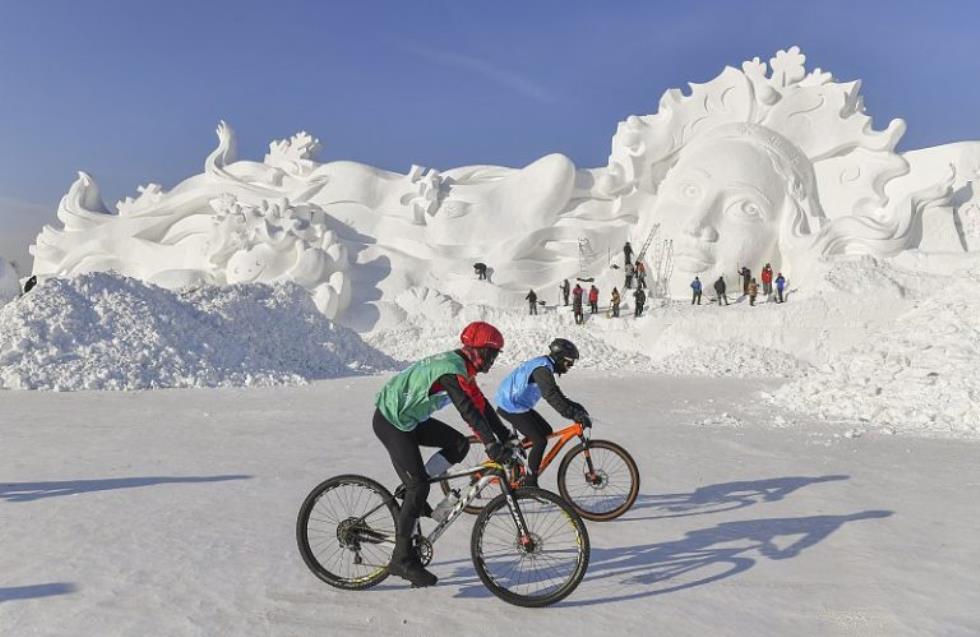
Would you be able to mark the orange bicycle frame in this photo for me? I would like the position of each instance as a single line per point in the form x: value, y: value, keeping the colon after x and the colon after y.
x: 570, y: 432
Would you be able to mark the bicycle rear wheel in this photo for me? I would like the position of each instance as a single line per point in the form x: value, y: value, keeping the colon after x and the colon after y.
x: 607, y: 494
x: 538, y: 573
x: 346, y: 531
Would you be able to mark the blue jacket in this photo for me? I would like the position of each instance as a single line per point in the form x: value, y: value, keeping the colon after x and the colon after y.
x: 780, y: 282
x: 696, y: 285
x: 517, y: 394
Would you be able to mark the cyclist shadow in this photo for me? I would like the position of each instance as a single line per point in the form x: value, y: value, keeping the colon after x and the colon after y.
x: 725, y: 496
x: 30, y: 491
x: 707, y: 555
x: 701, y: 557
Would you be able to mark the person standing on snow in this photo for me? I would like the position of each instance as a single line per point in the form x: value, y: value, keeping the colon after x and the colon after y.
x: 780, y: 284
x: 641, y: 275
x: 614, y: 302
x: 767, y: 281
x: 753, y: 291
x: 696, y: 287
x: 565, y: 289
x: 746, y: 278
x: 593, y: 300
x: 403, y: 423
x: 627, y: 254
x: 629, y: 277
x: 720, y: 288
x: 532, y: 301
x: 520, y: 391
x: 481, y: 271
x: 640, y: 298
x: 577, y: 304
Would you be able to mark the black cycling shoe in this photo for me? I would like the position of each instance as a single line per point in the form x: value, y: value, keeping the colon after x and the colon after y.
x: 529, y: 480
x: 413, y: 571
x: 406, y: 565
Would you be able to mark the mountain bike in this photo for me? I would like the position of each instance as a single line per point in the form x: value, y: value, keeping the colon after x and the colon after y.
x: 598, y: 478
x: 529, y: 547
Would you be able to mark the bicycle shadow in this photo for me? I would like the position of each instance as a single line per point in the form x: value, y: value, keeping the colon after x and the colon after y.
x: 701, y: 557
x: 725, y: 496
x: 31, y: 491
x: 37, y: 590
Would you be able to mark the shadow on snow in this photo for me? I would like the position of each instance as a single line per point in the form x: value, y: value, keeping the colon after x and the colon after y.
x: 726, y: 496
x: 30, y: 491
x: 37, y: 590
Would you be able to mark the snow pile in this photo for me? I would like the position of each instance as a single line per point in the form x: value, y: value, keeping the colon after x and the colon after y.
x: 918, y: 375
x: 719, y: 358
x: 104, y: 331
x: 9, y: 284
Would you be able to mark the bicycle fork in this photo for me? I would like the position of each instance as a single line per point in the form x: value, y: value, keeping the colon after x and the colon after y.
x: 590, y: 475
x: 523, y: 535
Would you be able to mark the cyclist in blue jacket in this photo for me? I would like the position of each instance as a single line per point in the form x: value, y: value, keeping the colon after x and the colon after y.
x: 520, y: 391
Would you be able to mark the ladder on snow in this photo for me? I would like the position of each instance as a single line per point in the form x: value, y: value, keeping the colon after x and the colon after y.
x: 646, y: 244
x: 586, y: 255
x: 663, y: 268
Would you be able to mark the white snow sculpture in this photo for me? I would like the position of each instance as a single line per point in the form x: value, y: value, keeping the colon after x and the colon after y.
x: 238, y: 222
x: 763, y: 165
x: 769, y: 163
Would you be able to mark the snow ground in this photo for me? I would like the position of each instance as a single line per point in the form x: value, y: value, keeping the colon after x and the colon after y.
x: 172, y: 512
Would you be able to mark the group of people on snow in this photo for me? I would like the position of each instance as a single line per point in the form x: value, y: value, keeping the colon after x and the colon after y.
x: 578, y: 296
x: 403, y: 423
x: 771, y: 287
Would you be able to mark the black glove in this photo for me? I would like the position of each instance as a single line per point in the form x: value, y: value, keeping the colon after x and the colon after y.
x: 582, y: 418
x: 500, y: 453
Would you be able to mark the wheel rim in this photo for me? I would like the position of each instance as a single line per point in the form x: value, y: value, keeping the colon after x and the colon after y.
x: 536, y: 568
x: 605, y: 490
x: 344, y: 545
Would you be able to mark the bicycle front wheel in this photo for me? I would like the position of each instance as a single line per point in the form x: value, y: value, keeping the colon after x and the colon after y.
x: 346, y: 531
x: 541, y: 569
x: 609, y: 491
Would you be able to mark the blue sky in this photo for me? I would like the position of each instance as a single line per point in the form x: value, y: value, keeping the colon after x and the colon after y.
x: 131, y: 91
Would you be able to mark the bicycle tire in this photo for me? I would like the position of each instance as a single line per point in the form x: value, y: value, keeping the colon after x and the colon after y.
x: 497, y: 515
x: 580, y: 503
x: 326, y: 536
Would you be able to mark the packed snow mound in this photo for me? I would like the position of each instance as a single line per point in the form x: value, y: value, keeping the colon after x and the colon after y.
x: 105, y: 331
x: 917, y: 376
x: 9, y: 284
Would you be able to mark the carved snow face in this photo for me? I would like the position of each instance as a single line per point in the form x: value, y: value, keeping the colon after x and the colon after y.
x: 722, y: 204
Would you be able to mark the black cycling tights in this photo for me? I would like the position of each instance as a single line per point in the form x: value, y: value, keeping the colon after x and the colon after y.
x: 534, y: 426
x: 403, y: 447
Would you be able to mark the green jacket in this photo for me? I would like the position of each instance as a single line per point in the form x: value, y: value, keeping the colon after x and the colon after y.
x: 405, y: 400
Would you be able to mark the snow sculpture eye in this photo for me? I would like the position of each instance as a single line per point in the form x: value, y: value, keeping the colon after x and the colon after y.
x: 745, y: 210
x: 691, y: 191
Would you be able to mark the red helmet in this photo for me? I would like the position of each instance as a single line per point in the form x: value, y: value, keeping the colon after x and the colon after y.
x: 479, y: 334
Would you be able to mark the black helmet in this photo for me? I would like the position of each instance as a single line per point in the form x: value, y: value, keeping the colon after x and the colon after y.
x: 564, y: 353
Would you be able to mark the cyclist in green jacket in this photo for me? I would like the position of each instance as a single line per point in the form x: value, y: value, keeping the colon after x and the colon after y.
x: 403, y: 422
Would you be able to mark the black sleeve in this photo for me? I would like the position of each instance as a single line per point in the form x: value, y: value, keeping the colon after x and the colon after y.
x: 501, y: 430
x: 545, y: 381
x: 467, y: 408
